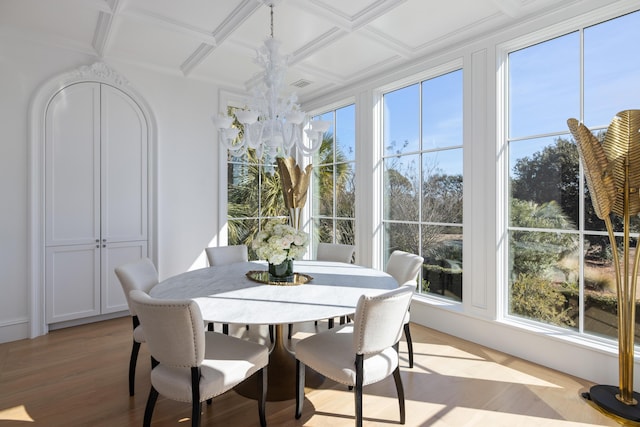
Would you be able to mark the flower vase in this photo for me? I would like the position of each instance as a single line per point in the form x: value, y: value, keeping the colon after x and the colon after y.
x: 282, y: 272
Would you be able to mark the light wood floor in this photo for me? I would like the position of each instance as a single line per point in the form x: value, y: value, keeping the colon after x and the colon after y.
x: 78, y: 377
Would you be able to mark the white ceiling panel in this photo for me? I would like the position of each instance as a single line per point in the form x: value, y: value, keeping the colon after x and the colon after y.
x: 359, y: 55
x: 437, y: 20
x: 156, y: 45
x: 225, y: 64
x: 205, y: 15
x: 292, y: 26
x: 331, y: 42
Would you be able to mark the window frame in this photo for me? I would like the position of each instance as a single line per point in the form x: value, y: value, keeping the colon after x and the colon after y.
x: 503, y: 50
x: 333, y: 110
x: 442, y: 69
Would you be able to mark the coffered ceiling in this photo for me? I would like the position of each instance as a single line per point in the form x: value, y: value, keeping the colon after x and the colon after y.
x: 331, y: 43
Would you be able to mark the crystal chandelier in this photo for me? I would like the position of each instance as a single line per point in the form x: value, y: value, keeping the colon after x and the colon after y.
x: 272, y: 124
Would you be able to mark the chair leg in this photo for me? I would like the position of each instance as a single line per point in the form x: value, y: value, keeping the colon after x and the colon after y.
x: 132, y: 366
x: 400, y: 390
x: 331, y: 323
x: 262, y: 395
x: 407, y: 335
x: 135, y: 322
x: 196, y: 405
x: 299, y: 388
x: 151, y: 403
x: 271, y: 333
x: 225, y: 328
x: 358, y: 393
x: 290, y: 330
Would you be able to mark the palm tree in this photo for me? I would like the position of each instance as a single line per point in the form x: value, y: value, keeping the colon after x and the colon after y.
x: 330, y: 168
x: 255, y: 194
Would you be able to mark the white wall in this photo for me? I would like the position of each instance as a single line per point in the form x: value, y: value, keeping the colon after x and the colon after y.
x: 187, y: 190
x: 187, y: 166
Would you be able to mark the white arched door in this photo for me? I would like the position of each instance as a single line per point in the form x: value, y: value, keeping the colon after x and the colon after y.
x: 96, y: 198
x: 92, y: 204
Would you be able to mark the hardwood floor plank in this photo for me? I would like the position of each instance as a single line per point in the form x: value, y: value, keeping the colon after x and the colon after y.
x: 78, y: 377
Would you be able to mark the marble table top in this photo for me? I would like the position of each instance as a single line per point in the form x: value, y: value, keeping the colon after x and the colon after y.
x: 226, y: 295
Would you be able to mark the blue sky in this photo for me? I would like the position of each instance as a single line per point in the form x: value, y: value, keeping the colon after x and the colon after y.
x: 544, y: 80
x: 441, y: 120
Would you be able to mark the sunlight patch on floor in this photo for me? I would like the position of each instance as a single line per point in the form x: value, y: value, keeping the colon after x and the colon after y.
x: 466, y: 365
x: 478, y: 417
x: 17, y: 413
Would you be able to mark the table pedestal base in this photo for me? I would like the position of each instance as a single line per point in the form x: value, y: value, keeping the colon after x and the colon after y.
x: 281, y: 374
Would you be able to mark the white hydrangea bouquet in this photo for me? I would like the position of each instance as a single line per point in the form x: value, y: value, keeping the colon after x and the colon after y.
x: 278, y: 242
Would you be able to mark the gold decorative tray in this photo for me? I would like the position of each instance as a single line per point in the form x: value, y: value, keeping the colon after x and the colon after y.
x: 262, y: 276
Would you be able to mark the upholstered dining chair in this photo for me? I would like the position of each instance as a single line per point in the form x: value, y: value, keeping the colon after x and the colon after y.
x: 220, y: 255
x: 405, y: 267
x: 371, y: 341
x: 335, y: 252
x: 194, y: 365
x: 141, y: 275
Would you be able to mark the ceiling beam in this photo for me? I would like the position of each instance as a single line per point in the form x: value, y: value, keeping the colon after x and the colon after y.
x: 105, y: 27
x: 226, y: 28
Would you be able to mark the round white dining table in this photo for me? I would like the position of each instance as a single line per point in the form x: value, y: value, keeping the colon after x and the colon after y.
x: 225, y: 294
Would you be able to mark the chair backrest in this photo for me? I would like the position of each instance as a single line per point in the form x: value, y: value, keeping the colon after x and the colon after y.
x: 335, y: 252
x: 379, y: 320
x: 220, y: 255
x: 138, y: 275
x: 173, y: 329
x: 404, y: 267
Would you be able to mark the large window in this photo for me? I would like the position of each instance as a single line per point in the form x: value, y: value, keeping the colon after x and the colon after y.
x: 254, y: 195
x: 423, y: 179
x: 333, y: 184
x: 560, y: 261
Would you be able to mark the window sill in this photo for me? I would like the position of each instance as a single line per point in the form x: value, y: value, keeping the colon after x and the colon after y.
x: 604, y: 345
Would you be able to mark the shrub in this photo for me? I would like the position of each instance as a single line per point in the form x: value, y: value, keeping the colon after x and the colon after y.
x: 536, y: 298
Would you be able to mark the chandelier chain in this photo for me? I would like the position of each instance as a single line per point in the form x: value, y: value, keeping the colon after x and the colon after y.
x: 271, y: 8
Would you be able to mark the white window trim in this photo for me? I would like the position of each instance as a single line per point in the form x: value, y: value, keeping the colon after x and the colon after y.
x: 378, y: 179
x: 602, y: 344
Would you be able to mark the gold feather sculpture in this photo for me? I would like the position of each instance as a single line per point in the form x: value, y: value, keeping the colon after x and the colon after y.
x: 612, y: 170
x: 295, y: 183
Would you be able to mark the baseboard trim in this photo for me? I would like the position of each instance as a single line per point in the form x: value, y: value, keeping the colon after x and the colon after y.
x: 85, y: 320
x: 14, y: 330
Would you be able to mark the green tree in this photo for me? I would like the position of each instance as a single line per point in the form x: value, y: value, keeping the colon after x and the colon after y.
x: 534, y: 256
x: 245, y: 204
x: 343, y: 193
x: 550, y: 175
x: 442, y: 198
x: 534, y: 252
